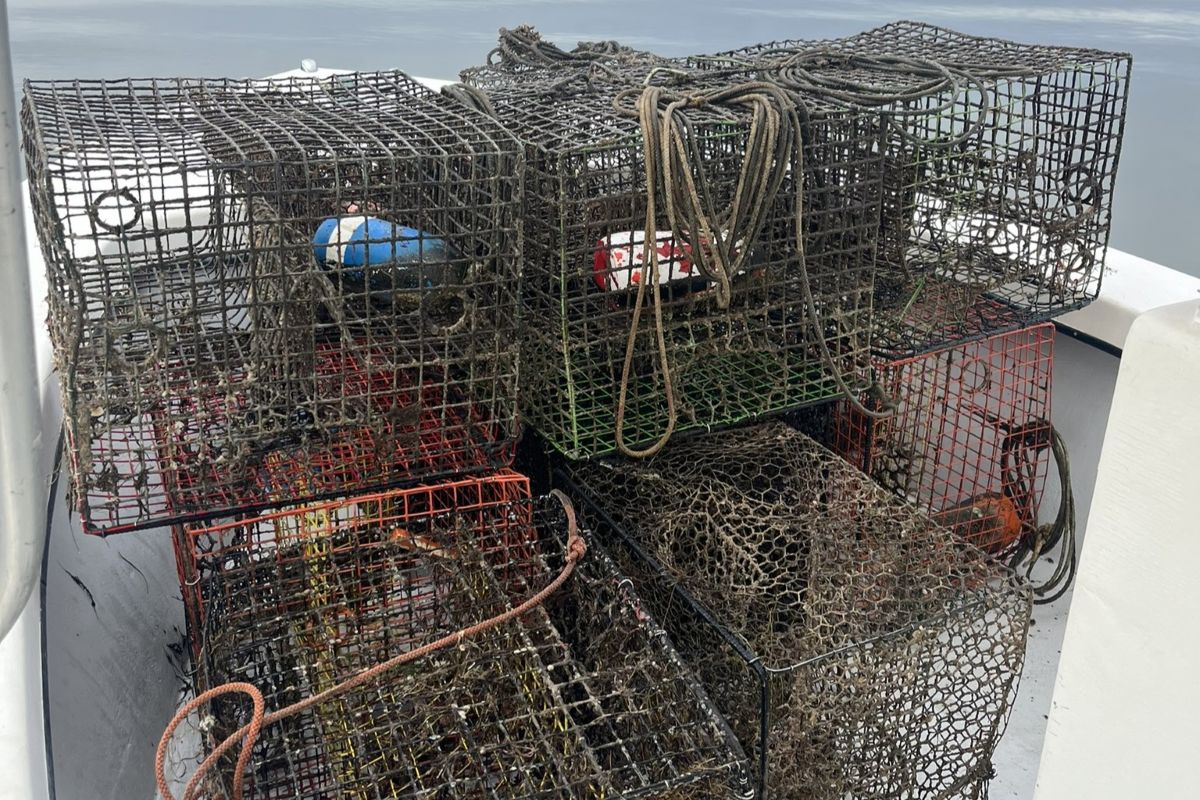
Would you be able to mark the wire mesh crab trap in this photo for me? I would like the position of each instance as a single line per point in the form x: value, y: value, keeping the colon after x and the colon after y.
x: 583, y: 697
x: 970, y: 437
x: 650, y: 307
x: 858, y: 649
x: 1001, y: 163
x: 248, y: 272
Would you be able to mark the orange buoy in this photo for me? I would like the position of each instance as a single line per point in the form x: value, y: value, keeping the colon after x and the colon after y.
x: 418, y: 543
x: 990, y: 521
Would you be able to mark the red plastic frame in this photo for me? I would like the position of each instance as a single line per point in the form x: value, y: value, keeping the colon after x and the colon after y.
x: 969, y: 440
x: 491, y: 506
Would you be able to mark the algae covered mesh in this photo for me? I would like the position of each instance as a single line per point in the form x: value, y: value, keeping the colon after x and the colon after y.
x: 687, y: 264
x: 1001, y: 162
x: 970, y: 437
x: 251, y: 280
x: 857, y: 648
x: 583, y: 697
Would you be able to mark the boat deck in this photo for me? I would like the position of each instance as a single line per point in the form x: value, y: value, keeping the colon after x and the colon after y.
x: 1017, y: 757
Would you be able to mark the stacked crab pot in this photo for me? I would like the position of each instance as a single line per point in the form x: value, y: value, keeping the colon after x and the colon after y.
x: 267, y: 291
x: 859, y: 647
x: 285, y: 315
x: 295, y: 319
x: 1001, y: 161
x: 683, y: 268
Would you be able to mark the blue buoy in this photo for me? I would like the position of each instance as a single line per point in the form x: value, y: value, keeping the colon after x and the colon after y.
x: 377, y: 256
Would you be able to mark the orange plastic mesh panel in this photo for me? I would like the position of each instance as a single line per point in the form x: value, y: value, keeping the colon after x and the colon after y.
x: 583, y: 697
x: 199, y: 544
x: 970, y: 439
x: 239, y: 267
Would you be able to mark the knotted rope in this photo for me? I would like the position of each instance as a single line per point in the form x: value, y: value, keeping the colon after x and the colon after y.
x: 524, y: 46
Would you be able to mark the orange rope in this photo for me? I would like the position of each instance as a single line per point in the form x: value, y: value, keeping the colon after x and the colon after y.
x: 248, y: 734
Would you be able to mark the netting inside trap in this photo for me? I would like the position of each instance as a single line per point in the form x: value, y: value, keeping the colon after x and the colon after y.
x: 1000, y: 171
x: 244, y: 272
x: 756, y: 351
x: 970, y: 438
x: 583, y: 697
x: 857, y: 648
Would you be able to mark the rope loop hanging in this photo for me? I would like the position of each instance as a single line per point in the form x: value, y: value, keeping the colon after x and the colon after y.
x: 1059, y: 535
x: 720, y: 238
x: 575, y: 550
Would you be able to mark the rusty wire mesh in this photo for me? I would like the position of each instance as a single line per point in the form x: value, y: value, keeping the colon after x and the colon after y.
x: 970, y: 438
x: 201, y: 331
x: 724, y: 359
x: 857, y: 648
x: 582, y: 698
x: 1001, y: 165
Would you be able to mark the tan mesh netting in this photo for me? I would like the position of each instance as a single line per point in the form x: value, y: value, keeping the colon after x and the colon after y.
x: 858, y: 649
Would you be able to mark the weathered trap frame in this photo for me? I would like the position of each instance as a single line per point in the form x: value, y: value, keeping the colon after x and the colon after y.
x: 761, y: 353
x: 857, y: 648
x: 199, y: 336
x: 581, y: 698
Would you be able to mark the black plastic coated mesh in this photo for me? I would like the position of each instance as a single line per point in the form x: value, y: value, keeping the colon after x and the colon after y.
x: 201, y: 340
x: 1006, y: 227
x: 858, y: 649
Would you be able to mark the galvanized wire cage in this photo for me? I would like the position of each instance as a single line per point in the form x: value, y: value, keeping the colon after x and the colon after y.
x: 583, y: 697
x: 970, y: 438
x: 617, y: 359
x: 244, y: 272
x: 1000, y: 165
x: 858, y: 649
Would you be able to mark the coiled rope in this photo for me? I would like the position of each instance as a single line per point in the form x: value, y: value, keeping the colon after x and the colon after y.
x: 524, y: 46
x: 576, y: 548
x: 799, y: 72
x: 1059, y: 534
x: 803, y: 71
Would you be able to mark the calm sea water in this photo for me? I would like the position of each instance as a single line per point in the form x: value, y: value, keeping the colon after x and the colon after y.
x: 1157, y: 206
